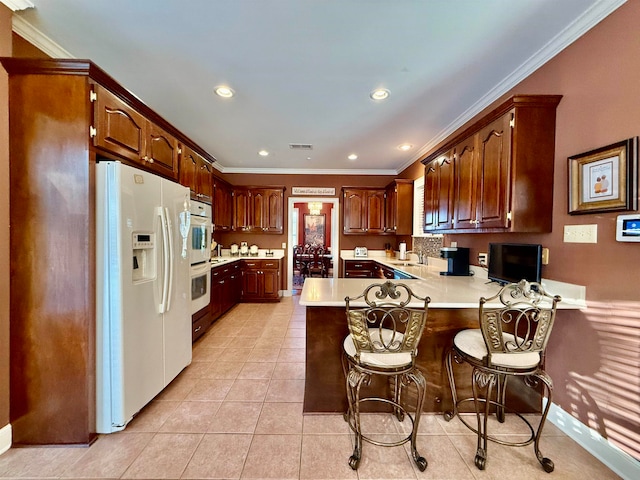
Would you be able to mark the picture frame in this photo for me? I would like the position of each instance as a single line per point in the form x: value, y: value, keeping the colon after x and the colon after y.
x: 314, y: 229
x: 605, y: 179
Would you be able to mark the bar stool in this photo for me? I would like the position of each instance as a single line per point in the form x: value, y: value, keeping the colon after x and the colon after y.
x: 515, y: 325
x: 383, y: 340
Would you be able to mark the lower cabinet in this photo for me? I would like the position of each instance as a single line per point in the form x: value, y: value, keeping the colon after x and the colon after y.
x: 200, y: 321
x: 360, y: 269
x: 260, y: 280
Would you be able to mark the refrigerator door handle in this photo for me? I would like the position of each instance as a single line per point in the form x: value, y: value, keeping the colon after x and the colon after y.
x: 165, y: 261
x: 171, y: 258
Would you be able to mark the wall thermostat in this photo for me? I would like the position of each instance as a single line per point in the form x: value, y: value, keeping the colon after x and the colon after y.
x: 628, y: 228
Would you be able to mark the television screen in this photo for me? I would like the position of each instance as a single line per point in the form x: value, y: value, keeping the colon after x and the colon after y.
x: 511, y: 262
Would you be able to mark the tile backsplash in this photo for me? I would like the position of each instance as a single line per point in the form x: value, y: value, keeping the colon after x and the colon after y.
x: 427, y: 245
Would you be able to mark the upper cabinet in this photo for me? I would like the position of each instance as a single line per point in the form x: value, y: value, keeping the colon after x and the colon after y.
x: 197, y: 174
x: 363, y: 210
x: 438, y: 193
x: 399, y: 207
x: 497, y: 167
x: 222, y: 206
x: 268, y: 210
x: 122, y: 130
x: 258, y: 209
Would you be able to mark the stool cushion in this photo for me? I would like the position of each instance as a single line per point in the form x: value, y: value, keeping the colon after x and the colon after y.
x: 379, y: 359
x: 472, y: 343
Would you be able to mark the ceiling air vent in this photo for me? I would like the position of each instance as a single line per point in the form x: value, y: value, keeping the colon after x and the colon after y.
x: 300, y: 146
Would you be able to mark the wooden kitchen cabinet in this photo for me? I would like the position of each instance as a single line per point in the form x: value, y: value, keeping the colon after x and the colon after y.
x: 500, y: 165
x: 363, y: 210
x: 258, y: 209
x: 197, y: 174
x: 399, y: 207
x: 360, y: 269
x: 241, y: 207
x: 222, y: 206
x: 267, y: 208
x: 122, y: 130
x: 438, y: 193
x: 260, y: 280
x: 225, y: 288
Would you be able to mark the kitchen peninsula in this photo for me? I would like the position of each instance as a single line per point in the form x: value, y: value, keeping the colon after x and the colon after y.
x: 453, y: 307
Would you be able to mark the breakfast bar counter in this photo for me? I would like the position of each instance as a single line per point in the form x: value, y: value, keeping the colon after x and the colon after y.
x: 453, y: 307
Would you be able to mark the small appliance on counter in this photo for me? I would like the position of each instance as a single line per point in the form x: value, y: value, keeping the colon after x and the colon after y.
x: 457, y: 261
x: 360, y: 252
x: 244, y: 249
x: 234, y: 249
x: 253, y: 250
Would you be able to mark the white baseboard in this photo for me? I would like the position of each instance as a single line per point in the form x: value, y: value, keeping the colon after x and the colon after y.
x: 286, y: 293
x: 617, y: 460
x: 5, y: 438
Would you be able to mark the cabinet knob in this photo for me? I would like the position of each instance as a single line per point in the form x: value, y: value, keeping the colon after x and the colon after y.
x: 150, y: 159
x: 198, y: 329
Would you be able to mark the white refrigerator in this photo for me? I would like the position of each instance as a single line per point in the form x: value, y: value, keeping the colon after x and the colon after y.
x: 143, y: 325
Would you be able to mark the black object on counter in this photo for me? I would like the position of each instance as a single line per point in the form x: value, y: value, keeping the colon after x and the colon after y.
x: 457, y: 261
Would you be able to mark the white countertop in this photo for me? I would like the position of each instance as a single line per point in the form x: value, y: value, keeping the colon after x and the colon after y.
x: 445, y: 291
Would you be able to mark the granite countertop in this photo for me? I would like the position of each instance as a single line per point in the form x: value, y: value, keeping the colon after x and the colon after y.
x: 445, y: 291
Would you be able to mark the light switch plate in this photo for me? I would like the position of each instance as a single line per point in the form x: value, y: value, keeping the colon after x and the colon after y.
x: 581, y: 233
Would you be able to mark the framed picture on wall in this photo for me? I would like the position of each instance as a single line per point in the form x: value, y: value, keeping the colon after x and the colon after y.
x: 605, y: 179
x: 314, y: 229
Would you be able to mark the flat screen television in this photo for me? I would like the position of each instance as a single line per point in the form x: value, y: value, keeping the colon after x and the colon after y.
x: 511, y: 262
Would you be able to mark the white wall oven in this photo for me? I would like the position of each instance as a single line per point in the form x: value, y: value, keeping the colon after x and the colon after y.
x: 200, y: 286
x: 201, y: 232
x: 200, y: 255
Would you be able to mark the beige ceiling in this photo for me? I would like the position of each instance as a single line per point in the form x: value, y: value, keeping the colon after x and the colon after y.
x: 302, y: 70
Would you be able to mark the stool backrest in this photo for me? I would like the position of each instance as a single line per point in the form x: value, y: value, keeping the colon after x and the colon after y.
x: 387, y: 309
x: 518, y: 319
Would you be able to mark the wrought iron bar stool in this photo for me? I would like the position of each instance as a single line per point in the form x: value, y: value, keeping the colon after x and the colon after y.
x: 515, y: 325
x: 383, y: 340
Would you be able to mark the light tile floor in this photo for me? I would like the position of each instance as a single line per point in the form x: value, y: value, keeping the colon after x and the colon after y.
x: 236, y: 412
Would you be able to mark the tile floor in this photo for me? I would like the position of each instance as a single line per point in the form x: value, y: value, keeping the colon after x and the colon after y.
x: 236, y: 412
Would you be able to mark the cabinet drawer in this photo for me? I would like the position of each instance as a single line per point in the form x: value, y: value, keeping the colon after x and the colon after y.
x: 200, y: 326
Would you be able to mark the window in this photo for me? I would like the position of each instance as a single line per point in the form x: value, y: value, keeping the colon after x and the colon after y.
x: 418, y: 207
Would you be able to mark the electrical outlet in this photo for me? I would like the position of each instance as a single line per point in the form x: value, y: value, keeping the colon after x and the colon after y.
x: 581, y: 233
x: 482, y: 259
x: 284, y: 245
x: 545, y: 256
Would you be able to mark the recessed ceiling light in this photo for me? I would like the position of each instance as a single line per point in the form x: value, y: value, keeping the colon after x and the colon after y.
x: 353, y: 156
x: 379, y: 94
x: 405, y: 146
x: 224, y: 92
x: 263, y: 153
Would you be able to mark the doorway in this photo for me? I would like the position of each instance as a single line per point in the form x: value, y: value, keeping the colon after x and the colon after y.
x: 293, y: 236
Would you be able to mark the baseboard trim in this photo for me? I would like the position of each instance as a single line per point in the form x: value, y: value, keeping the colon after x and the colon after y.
x: 5, y: 438
x: 617, y: 460
x: 286, y: 293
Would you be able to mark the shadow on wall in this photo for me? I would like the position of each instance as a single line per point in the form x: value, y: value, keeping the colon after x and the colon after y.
x: 601, y: 388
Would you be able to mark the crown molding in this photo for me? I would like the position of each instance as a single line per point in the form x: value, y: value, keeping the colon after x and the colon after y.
x: 16, y: 5
x: 38, y: 39
x: 298, y: 171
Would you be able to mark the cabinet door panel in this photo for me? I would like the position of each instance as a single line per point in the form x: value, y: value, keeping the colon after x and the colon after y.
x: 222, y: 206
x: 162, y: 152
x: 275, y: 211
x: 270, y: 283
x: 241, y: 217
x: 354, y: 211
x: 494, y: 165
x: 444, y: 193
x: 391, y: 209
x: 250, y: 283
x: 465, y: 186
x: 120, y: 128
x: 188, y: 170
x: 375, y: 211
x: 430, y: 203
